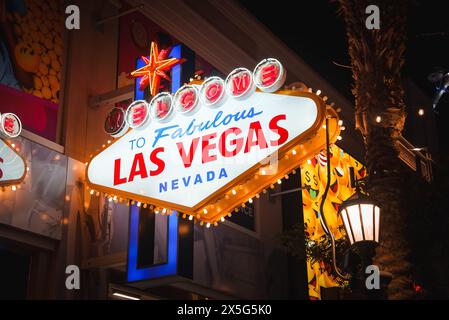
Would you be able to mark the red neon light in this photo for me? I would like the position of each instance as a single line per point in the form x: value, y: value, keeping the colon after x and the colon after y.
x: 213, y: 92
x: 139, y: 114
x: 240, y: 83
x: 269, y: 74
x: 187, y: 99
x: 9, y: 125
x: 162, y: 108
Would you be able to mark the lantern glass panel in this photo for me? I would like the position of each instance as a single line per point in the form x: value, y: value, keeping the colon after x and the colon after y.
x: 356, y: 223
x: 377, y: 221
x: 367, y: 212
x: 344, y: 215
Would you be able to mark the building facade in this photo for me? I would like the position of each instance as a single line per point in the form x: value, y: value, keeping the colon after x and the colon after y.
x: 63, y: 84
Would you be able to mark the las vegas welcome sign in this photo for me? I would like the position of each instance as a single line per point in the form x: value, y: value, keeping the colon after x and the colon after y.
x: 213, y: 145
x: 12, y: 165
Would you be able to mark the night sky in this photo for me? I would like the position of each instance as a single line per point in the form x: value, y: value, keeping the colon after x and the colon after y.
x: 316, y: 32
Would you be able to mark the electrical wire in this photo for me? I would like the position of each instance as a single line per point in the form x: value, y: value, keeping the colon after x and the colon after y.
x: 341, y: 65
x: 323, y: 199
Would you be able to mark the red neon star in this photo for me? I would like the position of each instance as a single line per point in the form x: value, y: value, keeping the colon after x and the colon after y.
x: 155, y: 68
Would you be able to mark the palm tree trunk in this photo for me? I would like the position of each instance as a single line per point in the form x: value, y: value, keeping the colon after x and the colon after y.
x: 377, y: 57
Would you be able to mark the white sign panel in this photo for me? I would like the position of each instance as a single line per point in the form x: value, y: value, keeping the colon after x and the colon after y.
x: 12, y: 166
x: 186, y: 157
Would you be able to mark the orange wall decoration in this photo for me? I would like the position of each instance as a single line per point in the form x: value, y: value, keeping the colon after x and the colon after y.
x: 34, y: 30
x: 314, y: 180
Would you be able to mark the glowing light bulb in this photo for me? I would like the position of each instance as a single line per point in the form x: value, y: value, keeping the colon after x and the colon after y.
x: 234, y: 192
x: 250, y: 200
x: 279, y: 181
x: 421, y: 112
x: 13, y: 188
x: 318, y: 92
x: 339, y: 138
x: 340, y: 122
x: 205, y: 211
x: 378, y: 119
x: 92, y: 192
x: 309, y: 161
x: 208, y: 225
x: 294, y: 152
x: 222, y: 219
x: 190, y: 218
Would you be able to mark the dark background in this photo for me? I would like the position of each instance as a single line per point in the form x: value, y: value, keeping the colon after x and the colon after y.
x: 14, y: 268
x: 316, y: 32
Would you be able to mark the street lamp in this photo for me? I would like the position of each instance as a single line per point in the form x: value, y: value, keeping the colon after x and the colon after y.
x: 361, y: 217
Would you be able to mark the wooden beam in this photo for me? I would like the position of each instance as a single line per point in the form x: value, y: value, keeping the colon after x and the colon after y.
x: 110, y: 261
x: 27, y: 238
x: 111, y: 97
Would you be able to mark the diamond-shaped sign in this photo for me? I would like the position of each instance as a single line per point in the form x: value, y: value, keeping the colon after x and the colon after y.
x: 207, y: 162
x: 12, y: 166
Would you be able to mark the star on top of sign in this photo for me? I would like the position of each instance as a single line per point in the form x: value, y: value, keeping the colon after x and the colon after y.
x: 155, y: 68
